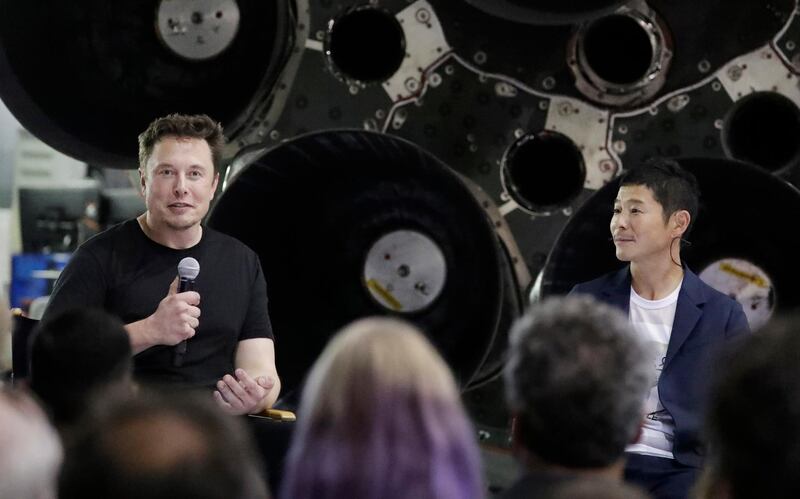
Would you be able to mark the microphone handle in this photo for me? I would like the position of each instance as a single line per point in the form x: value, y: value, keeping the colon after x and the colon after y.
x: 180, y: 348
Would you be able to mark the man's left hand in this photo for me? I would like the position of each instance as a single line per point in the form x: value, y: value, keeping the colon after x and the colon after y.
x: 242, y: 394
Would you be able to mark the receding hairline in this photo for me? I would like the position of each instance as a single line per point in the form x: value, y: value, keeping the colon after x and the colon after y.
x: 178, y: 125
x: 179, y: 138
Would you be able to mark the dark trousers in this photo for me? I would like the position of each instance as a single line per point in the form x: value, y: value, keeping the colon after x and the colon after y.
x: 663, y: 478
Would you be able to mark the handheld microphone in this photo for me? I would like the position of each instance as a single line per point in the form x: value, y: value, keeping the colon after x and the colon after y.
x: 188, y: 268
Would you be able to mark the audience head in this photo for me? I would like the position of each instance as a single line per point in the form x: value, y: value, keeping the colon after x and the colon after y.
x: 160, y: 446
x: 76, y: 354
x: 576, y: 381
x: 380, y: 417
x: 594, y: 489
x: 754, y: 417
x: 30, y: 449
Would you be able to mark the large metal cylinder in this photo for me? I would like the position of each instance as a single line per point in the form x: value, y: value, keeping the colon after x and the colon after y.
x: 87, y: 77
x: 546, y: 11
x: 350, y: 224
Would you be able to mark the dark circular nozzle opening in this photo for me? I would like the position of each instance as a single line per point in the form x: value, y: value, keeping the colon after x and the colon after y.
x: 763, y: 128
x: 618, y: 49
x: 543, y: 171
x: 365, y: 45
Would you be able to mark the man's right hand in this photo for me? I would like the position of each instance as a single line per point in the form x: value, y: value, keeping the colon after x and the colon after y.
x: 175, y: 320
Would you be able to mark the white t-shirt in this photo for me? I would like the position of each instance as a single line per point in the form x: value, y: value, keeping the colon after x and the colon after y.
x: 652, y: 320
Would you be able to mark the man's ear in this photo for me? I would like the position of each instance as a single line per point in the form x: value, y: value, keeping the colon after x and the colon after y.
x: 214, y: 184
x: 681, y: 220
x: 142, y: 182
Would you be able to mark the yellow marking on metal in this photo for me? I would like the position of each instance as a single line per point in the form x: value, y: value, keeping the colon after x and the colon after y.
x: 753, y: 278
x: 386, y: 295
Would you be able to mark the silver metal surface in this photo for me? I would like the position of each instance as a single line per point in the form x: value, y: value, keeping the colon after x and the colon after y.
x: 405, y: 271
x: 746, y: 283
x: 596, y: 88
x: 197, y: 29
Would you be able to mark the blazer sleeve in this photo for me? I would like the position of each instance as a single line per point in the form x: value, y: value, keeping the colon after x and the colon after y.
x: 737, y: 322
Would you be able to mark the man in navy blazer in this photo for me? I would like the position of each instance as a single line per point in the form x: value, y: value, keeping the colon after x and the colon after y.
x: 684, y: 320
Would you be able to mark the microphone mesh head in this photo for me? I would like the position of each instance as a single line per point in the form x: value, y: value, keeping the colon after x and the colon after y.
x: 188, y: 268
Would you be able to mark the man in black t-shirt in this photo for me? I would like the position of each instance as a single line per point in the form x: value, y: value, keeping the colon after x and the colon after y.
x: 130, y: 270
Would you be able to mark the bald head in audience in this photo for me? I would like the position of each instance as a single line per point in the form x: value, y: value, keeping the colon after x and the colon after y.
x: 595, y: 488
x: 161, y: 446
x: 30, y: 449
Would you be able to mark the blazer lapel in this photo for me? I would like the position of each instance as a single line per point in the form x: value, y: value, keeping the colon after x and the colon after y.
x: 687, y: 313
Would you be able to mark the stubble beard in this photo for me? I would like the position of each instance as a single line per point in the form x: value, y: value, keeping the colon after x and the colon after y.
x: 183, y: 226
x: 180, y: 224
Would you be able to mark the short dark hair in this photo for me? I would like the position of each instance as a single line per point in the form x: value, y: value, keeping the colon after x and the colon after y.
x: 73, y: 355
x: 198, y: 126
x: 160, y: 446
x: 576, y: 378
x: 754, y: 415
x: 673, y: 187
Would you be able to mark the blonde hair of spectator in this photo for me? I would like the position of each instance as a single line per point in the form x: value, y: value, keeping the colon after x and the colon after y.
x: 381, y: 416
x: 396, y: 354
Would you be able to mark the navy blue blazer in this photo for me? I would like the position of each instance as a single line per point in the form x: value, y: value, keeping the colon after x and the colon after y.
x: 704, y: 320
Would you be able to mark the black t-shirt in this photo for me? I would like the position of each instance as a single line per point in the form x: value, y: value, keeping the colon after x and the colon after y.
x: 126, y: 273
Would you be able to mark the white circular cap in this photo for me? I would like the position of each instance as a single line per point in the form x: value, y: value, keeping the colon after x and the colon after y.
x: 745, y: 282
x: 197, y: 29
x: 405, y: 271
